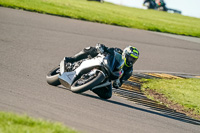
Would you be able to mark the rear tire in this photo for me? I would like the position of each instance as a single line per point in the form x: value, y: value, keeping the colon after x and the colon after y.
x: 105, y: 92
x: 81, y: 88
x: 52, y: 77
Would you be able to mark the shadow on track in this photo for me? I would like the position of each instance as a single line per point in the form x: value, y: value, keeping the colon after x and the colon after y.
x: 172, y: 115
x: 154, y: 108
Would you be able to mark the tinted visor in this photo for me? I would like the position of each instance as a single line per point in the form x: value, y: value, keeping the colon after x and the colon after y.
x: 130, y: 60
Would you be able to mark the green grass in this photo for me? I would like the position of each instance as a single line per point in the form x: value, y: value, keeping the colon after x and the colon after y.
x: 185, y: 92
x: 112, y: 14
x: 12, y: 123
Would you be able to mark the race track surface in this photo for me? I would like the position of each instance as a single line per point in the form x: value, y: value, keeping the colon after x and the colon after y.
x: 31, y: 44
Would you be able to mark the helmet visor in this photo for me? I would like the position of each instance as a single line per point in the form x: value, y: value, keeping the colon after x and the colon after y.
x: 130, y: 60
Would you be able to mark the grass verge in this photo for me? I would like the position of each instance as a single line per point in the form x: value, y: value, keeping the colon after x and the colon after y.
x: 175, y: 93
x: 12, y: 123
x: 112, y: 14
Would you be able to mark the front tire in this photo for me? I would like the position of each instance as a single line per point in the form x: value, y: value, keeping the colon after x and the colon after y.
x: 52, y: 77
x: 81, y: 88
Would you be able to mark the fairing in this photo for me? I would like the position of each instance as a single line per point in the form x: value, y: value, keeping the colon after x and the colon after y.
x: 112, y: 63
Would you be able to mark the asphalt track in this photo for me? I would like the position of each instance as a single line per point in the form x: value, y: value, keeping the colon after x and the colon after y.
x: 31, y: 44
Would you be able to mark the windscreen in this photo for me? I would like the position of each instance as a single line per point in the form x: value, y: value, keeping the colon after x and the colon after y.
x: 114, y: 62
x: 119, y: 61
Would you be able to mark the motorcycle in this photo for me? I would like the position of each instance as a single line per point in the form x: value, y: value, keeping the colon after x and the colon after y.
x: 159, y: 5
x: 88, y: 74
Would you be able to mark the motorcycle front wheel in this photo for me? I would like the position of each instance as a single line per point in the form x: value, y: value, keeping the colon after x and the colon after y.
x: 52, y: 76
x: 79, y: 88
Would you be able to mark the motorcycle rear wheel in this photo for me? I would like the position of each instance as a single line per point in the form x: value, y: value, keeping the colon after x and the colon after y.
x: 52, y: 77
x: 81, y: 88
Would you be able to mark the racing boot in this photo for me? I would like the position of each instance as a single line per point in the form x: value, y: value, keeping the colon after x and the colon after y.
x: 69, y: 60
x: 84, y: 54
x: 81, y: 55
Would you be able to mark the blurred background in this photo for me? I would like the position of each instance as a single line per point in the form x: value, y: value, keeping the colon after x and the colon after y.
x: 187, y: 7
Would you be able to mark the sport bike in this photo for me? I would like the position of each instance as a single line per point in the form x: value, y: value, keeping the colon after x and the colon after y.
x: 155, y: 4
x: 88, y: 74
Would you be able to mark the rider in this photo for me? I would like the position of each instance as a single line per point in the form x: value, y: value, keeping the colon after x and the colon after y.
x: 129, y: 54
x: 151, y: 2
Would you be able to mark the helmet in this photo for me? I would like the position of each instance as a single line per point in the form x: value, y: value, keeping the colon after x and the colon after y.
x: 130, y: 55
